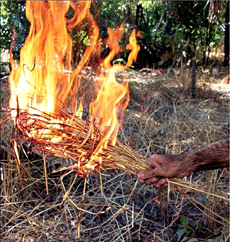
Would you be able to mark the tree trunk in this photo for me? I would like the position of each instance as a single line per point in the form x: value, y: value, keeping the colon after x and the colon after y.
x: 193, y: 81
x: 226, y: 36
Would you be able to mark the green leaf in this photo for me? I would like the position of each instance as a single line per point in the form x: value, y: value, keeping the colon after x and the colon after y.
x: 184, y: 221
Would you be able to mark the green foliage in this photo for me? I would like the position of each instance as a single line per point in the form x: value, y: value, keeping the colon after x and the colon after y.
x: 111, y: 14
x: 13, y: 19
x: 179, y: 27
x: 186, y: 228
x: 142, y: 15
x: 191, y: 29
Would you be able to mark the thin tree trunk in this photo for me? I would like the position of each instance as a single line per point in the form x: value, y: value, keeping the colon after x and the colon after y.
x: 226, y: 36
x: 193, y: 80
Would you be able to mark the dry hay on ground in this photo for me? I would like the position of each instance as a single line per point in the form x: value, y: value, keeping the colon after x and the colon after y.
x: 160, y: 118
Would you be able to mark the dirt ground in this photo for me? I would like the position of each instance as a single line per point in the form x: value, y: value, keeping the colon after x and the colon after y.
x: 160, y: 118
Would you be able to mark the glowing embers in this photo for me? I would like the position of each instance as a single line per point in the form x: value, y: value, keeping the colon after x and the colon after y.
x: 65, y: 137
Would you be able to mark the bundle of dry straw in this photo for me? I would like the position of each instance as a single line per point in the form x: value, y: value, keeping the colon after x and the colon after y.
x: 72, y: 138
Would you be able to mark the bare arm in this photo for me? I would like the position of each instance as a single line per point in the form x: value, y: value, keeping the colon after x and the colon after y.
x: 213, y: 156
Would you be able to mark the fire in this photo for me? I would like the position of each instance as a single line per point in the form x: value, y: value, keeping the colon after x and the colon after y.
x: 43, y: 82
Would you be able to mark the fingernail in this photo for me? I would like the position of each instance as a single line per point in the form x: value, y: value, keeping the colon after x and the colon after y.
x: 140, y: 175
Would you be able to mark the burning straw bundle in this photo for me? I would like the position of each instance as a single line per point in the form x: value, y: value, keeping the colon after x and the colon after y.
x: 78, y: 141
x: 40, y: 86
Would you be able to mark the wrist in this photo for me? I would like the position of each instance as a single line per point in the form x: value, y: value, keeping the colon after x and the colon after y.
x: 190, y: 160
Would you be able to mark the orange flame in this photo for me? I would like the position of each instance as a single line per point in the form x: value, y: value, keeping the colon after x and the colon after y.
x: 43, y: 80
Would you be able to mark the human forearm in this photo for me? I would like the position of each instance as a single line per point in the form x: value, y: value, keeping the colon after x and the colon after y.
x: 213, y: 156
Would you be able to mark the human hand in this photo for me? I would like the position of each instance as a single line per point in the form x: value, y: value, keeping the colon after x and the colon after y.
x: 164, y: 166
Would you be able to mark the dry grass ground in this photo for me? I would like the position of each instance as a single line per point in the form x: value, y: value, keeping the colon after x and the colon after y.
x: 160, y: 118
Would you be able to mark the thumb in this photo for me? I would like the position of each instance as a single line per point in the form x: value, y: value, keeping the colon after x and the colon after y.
x: 149, y: 173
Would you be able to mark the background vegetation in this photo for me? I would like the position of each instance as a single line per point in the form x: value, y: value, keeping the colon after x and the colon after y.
x: 173, y: 31
x: 181, y: 39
